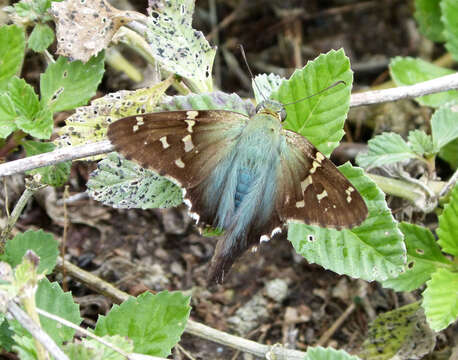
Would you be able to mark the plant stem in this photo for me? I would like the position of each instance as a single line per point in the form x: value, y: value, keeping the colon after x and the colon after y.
x: 118, y: 62
x: 30, y: 189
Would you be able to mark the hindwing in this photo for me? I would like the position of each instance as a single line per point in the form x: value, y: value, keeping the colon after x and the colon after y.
x: 313, y: 191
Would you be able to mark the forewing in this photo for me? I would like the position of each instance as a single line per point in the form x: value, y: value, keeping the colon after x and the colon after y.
x: 312, y: 190
x: 182, y: 145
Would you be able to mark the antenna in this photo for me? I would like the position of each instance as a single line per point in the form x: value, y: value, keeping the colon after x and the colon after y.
x: 249, y: 71
x: 318, y: 93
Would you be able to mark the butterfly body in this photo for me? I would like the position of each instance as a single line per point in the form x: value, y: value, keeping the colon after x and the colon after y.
x: 246, y: 176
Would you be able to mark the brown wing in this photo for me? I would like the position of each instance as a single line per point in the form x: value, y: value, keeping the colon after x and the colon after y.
x: 184, y: 145
x: 312, y: 190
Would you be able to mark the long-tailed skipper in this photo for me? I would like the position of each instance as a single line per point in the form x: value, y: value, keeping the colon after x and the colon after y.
x: 248, y: 176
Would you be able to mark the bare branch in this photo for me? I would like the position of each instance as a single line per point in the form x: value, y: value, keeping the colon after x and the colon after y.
x: 444, y: 83
x: 24, y: 319
x: 54, y: 157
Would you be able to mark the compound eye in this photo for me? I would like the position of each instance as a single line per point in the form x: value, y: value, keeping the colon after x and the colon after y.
x: 283, y: 114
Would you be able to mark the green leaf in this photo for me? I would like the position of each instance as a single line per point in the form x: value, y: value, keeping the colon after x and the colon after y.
x: 386, y: 148
x: 66, y: 85
x: 449, y: 153
x: 6, y: 334
x: 320, y: 118
x: 121, y: 183
x: 90, y: 349
x: 42, y: 243
x: 31, y: 11
x: 450, y: 20
x: 372, y: 251
x: 40, y: 127
x: 423, y: 258
x: 154, y: 322
x: 7, y: 116
x: 421, y: 143
x: 191, y: 56
x: 409, y: 71
x: 428, y: 16
x: 448, y: 225
x: 444, y: 125
x: 440, y: 299
x: 25, y: 347
x: 399, y: 334
x: 51, y: 298
x: 12, y: 47
x: 54, y: 175
x: 264, y: 85
x: 90, y: 123
x: 320, y: 353
x: 41, y: 37
x: 25, y: 99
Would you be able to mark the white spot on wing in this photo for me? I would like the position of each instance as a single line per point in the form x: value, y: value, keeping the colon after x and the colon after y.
x: 192, y: 114
x: 195, y: 216
x: 179, y: 163
x: 305, y: 184
x: 322, y: 195
x: 191, y: 124
x: 319, y: 157
x: 164, y: 142
x: 188, y: 203
x: 188, y: 145
x: 315, y: 165
x: 264, y: 238
x: 300, y: 204
x: 135, y: 128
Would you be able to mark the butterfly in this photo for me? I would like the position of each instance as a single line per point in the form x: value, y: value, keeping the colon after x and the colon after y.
x: 248, y: 176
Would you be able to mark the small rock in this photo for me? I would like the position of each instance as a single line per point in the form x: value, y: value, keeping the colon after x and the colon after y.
x: 277, y: 290
x: 249, y: 316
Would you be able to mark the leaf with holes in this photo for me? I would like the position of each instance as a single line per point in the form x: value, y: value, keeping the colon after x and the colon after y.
x: 372, y: 251
x: 66, y: 85
x: 90, y: 123
x: 154, y: 322
x: 191, y: 56
x: 399, y: 334
x: 409, y: 71
x: 121, y: 183
x: 386, y: 148
x: 327, y: 111
x: 264, y: 85
x: 423, y: 258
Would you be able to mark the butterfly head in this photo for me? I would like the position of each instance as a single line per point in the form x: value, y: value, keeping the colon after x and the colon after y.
x: 272, y: 107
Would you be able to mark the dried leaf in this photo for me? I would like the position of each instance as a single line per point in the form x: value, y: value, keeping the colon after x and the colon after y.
x: 86, y: 27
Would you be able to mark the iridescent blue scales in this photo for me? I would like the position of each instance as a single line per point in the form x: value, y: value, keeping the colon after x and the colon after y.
x: 246, y: 176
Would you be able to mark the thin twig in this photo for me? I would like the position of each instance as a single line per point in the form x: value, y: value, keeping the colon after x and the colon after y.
x: 192, y: 327
x: 328, y: 333
x: 55, y: 157
x: 36, y: 331
x: 444, y: 83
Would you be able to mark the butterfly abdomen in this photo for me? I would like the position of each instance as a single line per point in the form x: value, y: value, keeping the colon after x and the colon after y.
x: 244, y: 181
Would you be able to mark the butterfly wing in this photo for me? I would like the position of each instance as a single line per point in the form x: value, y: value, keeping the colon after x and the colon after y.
x: 184, y: 146
x: 312, y: 190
